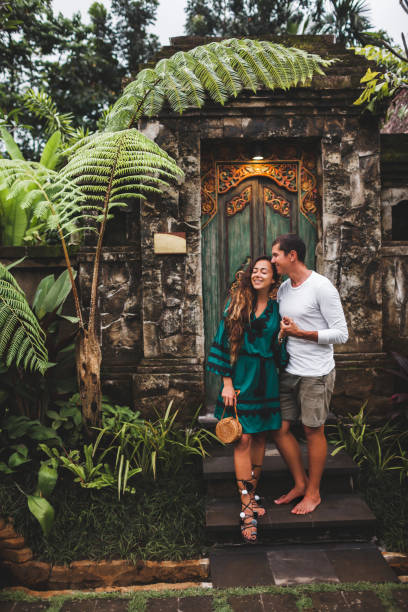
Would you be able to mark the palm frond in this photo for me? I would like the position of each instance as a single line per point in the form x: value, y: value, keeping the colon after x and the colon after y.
x: 21, y: 337
x: 219, y: 70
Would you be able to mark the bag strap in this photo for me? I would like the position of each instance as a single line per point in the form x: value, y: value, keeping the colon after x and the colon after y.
x: 237, y: 392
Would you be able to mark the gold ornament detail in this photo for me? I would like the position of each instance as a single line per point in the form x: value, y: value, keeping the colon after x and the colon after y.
x: 284, y: 174
x: 276, y: 202
x: 308, y: 185
x: 237, y: 204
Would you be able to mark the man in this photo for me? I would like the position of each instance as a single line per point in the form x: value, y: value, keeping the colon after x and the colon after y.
x: 313, y: 320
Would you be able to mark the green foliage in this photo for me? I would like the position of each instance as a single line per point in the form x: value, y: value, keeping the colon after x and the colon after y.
x: 217, y: 70
x: 21, y: 337
x: 381, y: 85
x: 382, y: 454
x: 380, y: 447
x: 33, y: 394
x: 164, y: 520
x: 112, y: 167
x: 345, y: 19
x: 96, y: 57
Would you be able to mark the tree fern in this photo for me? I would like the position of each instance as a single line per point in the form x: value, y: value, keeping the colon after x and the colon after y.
x: 112, y: 167
x: 219, y: 70
x: 49, y: 196
x: 21, y: 337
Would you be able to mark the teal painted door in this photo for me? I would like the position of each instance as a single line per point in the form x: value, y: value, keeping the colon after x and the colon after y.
x: 250, y: 213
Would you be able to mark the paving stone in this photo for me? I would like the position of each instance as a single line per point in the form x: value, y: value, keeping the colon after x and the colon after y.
x: 7, y: 606
x: 329, y: 602
x: 240, y: 566
x: 111, y: 605
x: 246, y: 603
x: 169, y: 604
x: 361, y: 564
x: 79, y: 605
x: 363, y: 600
x: 300, y: 566
x: 278, y: 603
x: 195, y: 604
x: 401, y: 598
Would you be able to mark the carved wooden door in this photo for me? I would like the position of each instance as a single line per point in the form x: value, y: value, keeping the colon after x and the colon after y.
x: 251, y: 210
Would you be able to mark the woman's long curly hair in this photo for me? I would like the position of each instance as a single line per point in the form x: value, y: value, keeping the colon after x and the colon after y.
x: 243, y: 301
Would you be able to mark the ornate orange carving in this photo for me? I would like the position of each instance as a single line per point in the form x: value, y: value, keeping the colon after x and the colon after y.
x: 284, y: 174
x: 238, y: 203
x: 308, y: 202
x: 276, y: 202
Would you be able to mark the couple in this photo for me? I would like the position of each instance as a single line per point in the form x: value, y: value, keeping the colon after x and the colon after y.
x: 266, y: 327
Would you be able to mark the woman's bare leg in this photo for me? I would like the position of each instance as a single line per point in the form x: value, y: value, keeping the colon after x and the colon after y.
x: 243, y: 468
x: 257, y: 459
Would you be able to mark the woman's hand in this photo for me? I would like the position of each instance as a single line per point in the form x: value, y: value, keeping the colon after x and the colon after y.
x: 228, y: 392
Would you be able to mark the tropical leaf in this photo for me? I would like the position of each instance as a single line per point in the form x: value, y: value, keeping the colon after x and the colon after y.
x: 111, y: 168
x: 219, y: 70
x: 21, y: 337
x: 55, y: 200
x: 43, y: 512
x: 50, y: 155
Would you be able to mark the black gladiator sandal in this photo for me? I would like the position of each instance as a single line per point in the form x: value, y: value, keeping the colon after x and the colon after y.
x: 248, y: 517
x: 258, y: 501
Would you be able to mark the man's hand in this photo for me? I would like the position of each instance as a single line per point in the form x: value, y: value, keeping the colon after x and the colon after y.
x: 228, y: 392
x: 289, y: 327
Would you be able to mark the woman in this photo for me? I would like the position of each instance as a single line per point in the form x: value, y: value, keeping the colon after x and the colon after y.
x: 246, y: 352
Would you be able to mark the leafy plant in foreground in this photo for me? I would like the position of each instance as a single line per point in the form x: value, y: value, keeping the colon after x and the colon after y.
x: 379, y: 447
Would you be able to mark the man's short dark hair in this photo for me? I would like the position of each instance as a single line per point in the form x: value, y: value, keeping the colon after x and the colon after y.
x: 291, y: 242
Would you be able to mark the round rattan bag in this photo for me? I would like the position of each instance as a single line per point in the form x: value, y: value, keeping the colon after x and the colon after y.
x: 230, y: 429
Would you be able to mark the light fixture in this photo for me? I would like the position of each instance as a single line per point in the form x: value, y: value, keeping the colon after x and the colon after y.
x: 257, y: 152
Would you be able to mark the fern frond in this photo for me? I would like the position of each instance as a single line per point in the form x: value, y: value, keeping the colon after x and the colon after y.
x: 21, y: 337
x: 50, y: 195
x: 219, y: 70
x: 117, y: 166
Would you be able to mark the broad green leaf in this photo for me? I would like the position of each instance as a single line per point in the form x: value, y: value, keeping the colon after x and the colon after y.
x: 11, y: 145
x: 58, y: 292
x: 43, y: 512
x: 50, y: 155
x: 47, y: 479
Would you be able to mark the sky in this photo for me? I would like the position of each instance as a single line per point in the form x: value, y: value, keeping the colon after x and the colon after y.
x: 385, y: 14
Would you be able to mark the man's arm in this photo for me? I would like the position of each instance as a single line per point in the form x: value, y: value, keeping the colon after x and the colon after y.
x: 332, y: 311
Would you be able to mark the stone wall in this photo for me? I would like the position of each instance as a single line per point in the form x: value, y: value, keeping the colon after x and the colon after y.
x: 349, y: 237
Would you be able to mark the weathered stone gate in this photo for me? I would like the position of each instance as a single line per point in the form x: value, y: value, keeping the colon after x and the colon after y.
x: 152, y: 305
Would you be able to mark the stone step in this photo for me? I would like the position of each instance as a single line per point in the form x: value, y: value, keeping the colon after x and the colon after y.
x: 339, y: 517
x: 218, y: 469
x: 247, y: 566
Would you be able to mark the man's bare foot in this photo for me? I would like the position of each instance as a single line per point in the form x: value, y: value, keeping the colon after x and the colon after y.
x: 306, y: 505
x: 293, y: 494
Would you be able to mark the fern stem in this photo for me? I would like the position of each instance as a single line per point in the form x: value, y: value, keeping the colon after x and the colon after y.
x: 136, y: 113
x: 91, y: 325
x: 66, y: 256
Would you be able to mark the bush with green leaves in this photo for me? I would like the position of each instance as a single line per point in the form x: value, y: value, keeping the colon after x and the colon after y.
x: 379, y: 447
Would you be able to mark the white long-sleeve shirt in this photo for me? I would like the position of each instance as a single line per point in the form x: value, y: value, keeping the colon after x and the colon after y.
x: 314, y: 306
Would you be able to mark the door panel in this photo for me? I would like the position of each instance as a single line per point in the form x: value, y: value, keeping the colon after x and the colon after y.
x: 247, y: 215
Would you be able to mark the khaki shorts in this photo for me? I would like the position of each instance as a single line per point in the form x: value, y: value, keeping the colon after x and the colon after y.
x: 307, y: 397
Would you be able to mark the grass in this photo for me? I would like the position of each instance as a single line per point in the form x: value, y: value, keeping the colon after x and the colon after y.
x: 164, y: 519
x: 137, y: 602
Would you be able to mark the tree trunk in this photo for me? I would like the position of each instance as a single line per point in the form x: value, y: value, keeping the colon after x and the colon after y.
x: 88, y: 360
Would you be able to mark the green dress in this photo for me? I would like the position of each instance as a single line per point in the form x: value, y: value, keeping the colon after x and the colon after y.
x: 255, y: 373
